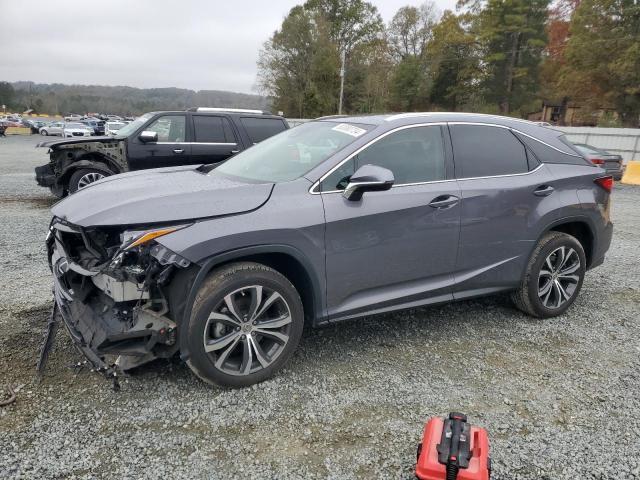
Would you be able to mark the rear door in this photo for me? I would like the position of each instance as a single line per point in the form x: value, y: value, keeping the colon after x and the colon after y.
x: 506, y: 196
x: 258, y: 129
x: 171, y: 148
x: 214, y: 139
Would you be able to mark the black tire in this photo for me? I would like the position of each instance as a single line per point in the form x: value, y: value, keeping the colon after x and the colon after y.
x: 528, y: 296
x: 229, y: 280
x: 79, y: 175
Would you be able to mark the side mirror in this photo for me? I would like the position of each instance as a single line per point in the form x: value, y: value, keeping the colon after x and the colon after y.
x: 148, y: 137
x: 368, y: 178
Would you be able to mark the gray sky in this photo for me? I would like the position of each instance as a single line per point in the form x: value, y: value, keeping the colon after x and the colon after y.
x: 196, y: 44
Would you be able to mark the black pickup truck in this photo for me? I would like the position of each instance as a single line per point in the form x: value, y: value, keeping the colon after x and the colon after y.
x: 154, y: 140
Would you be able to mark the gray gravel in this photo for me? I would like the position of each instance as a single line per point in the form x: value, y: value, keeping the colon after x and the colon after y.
x: 558, y: 397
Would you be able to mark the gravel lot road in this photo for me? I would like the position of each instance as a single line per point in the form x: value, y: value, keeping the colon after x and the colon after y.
x: 560, y: 398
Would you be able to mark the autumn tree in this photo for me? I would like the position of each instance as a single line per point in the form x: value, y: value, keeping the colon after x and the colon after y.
x: 603, y: 57
x: 408, y: 33
x: 453, y: 55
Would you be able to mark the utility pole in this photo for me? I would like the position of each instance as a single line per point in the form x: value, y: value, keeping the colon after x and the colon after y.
x: 343, y: 55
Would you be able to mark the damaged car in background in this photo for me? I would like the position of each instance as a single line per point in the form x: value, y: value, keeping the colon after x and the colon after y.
x: 153, y: 140
x: 226, y: 265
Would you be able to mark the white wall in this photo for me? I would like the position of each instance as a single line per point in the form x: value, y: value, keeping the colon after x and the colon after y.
x: 623, y: 141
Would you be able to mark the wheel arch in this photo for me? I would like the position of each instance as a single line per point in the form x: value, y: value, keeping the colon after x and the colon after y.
x: 580, y: 228
x: 285, y: 259
x: 89, y: 160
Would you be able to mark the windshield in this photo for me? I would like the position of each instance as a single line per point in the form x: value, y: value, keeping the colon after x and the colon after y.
x: 133, y: 126
x: 292, y: 153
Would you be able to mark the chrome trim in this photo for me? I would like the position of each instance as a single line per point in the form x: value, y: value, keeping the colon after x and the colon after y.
x: 371, y: 142
x: 506, y: 175
x: 192, y: 143
x: 222, y: 109
x: 482, y: 124
x: 317, y: 182
x: 429, y: 114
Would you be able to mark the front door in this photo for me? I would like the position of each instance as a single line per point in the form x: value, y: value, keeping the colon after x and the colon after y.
x: 171, y: 148
x: 395, y: 248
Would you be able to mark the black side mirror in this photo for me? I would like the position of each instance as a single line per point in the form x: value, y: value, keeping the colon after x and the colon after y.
x: 148, y: 137
x: 368, y: 178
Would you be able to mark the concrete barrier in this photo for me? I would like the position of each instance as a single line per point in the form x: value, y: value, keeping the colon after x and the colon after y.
x: 18, y: 131
x: 632, y: 174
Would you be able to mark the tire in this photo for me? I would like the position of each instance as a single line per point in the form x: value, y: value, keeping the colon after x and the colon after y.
x: 555, y: 271
x: 84, y: 177
x: 44, y: 133
x: 242, y: 352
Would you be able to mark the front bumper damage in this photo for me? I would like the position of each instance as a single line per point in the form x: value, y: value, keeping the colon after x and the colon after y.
x: 111, y: 298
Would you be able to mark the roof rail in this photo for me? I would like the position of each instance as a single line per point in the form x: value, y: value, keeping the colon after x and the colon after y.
x: 326, y: 117
x: 224, y: 109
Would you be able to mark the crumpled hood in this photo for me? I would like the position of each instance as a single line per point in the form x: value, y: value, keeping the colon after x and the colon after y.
x: 160, y: 195
x: 69, y: 141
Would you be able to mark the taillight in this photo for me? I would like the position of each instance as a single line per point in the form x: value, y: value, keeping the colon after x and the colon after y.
x: 597, y: 161
x: 605, y: 182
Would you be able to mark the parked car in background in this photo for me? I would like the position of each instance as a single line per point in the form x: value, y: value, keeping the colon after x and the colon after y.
x: 229, y: 262
x: 72, y: 117
x: 157, y: 139
x: 96, y: 125
x: 611, y: 162
x: 112, y: 127
x: 54, y: 128
x: 76, y: 129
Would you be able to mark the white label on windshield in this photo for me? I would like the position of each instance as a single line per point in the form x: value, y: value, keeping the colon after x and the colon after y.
x: 349, y: 129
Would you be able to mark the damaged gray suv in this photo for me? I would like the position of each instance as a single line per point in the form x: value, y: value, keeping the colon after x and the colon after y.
x: 334, y: 219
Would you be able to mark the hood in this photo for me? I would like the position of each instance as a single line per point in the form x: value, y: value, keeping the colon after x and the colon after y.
x: 162, y: 195
x: 69, y: 141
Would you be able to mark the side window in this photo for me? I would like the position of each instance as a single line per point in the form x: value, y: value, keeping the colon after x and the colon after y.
x: 413, y: 155
x: 482, y: 151
x: 259, y: 129
x: 170, y: 128
x: 210, y: 129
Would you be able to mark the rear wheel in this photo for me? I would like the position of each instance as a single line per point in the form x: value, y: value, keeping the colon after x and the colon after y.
x: 553, y: 277
x: 246, y: 322
x: 84, y: 177
x: 43, y: 133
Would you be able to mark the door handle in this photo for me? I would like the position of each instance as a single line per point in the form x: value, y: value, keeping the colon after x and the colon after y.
x: 178, y: 150
x: 235, y: 151
x: 543, y: 191
x: 444, y: 201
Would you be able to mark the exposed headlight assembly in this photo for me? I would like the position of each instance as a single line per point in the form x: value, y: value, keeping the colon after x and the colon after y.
x: 134, y: 239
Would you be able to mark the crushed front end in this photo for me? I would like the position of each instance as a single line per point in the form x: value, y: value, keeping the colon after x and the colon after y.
x: 111, y: 285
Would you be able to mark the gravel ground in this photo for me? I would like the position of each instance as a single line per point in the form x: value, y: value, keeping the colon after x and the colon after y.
x: 559, y: 397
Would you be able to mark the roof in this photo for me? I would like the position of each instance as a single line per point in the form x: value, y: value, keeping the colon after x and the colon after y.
x: 426, y: 117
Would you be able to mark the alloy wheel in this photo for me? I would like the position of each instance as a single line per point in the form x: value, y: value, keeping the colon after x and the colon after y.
x: 89, y: 178
x: 558, y: 277
x: 247, y: 330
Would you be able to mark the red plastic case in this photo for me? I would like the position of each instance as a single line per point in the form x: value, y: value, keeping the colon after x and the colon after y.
x: 428, y: 467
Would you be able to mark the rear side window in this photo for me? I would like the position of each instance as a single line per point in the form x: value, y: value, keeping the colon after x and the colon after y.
x: 483, y: 151
x: 210, y: 129
x: 259, y: 129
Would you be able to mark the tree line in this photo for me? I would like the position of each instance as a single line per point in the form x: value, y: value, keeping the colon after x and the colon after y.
x: 493, y: 56
x: 64, y: 99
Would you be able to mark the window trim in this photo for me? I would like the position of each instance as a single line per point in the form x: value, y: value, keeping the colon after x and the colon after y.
x: 316, y: 184
x: 512, y: 131
x: 371, y: 142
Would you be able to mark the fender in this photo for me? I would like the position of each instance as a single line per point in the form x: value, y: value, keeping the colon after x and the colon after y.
x: 319, y: 310
x: 560, y: 221
x: 103, y: 164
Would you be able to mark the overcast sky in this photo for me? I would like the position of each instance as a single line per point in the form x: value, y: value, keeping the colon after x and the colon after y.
x: 195, y: 44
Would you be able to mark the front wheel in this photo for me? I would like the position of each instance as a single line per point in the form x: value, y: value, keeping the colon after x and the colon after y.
x: 553, y: 277
x: 246, y: 322
x: 44, y: 133
x: 83, y: 178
